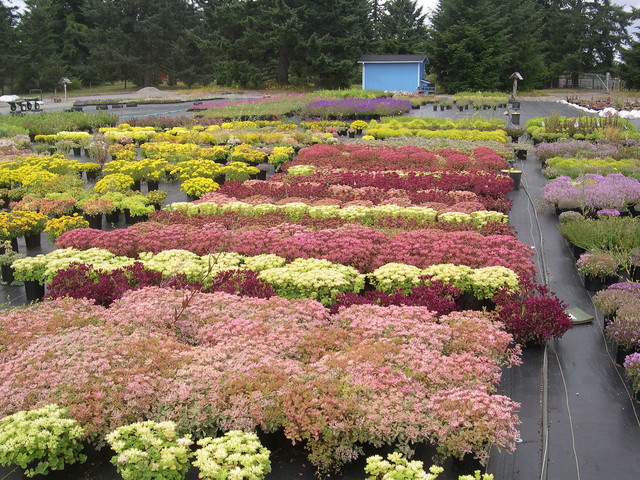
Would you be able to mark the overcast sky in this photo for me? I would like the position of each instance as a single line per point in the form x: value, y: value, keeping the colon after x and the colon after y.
x: 427, y: 5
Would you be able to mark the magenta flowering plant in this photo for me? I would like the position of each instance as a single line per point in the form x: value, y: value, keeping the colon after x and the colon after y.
x: 355, y: 107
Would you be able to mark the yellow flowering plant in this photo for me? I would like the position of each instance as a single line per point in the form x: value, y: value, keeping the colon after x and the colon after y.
x: 246, y: 153
x: 198, y: 186
x: 280, y: 155
x: 57, y: 226
x: 115, y: 182
x: 24, y: 222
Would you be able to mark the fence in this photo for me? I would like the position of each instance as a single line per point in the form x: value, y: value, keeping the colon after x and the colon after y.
x: 591, y: 81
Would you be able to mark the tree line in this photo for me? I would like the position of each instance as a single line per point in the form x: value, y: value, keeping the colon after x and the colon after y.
x: 471, y: 44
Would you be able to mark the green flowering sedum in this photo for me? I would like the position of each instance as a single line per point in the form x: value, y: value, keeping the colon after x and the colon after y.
x: 234, y: 456
x: 396, y: 467
x: 150, y: 450
x: 41, y: 440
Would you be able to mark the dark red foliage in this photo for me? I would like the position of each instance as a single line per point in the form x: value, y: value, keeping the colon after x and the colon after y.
x: 437, y: 296
x: 80, y: 280
x: 241, y: 282
x: 533, y: 314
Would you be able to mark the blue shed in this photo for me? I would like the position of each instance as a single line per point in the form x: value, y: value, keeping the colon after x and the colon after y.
x: 395, y: 73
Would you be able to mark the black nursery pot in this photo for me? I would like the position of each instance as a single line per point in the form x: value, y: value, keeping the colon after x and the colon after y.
x: 7, y: 274
x: 34, y: 291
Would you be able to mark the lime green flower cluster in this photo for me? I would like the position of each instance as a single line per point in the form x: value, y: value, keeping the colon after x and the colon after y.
x: 235, y: 455
x: 313, y: 278
x: 301, y: 170
x: 40, y: 440
x: 397, y: 467
x: 42, y: 268
x: 483, y: 283
x: 396, y: 276
x: 297, y: 210
x: 454, y: 218
x: 150, y: 450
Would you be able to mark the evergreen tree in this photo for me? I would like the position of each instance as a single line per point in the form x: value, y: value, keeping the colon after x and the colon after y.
x: 478, y: 44
x: 134, y: 39
x: 629, y: 70
x: 9, y: 55
x: 257, y: 42
x: 402, y: 28
x: 50, y: 35
x: 581, y: 36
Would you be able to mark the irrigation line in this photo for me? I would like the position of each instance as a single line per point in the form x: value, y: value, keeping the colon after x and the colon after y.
x: 8, y: 474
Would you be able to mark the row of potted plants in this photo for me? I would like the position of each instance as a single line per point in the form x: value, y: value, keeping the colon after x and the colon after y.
x: 619, y: 303
x: 366, y: 215
x: 369, y: 248
x: 482, y: 183
x: 409, y: 158
x: 344, y: 195
x: 50, y: 439
x: 591, y: 192
x: 300, y: 278
x: 556, y: 127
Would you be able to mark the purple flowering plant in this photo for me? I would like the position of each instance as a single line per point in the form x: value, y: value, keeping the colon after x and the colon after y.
x: 356, y: 107
x: 632, y: 370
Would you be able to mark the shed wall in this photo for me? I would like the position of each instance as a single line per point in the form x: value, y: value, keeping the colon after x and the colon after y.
x: 391, y: 76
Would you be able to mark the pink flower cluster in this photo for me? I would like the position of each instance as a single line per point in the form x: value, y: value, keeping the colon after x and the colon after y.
x: 363, y: 248
x: 217, y: 361
x: 409, y: 158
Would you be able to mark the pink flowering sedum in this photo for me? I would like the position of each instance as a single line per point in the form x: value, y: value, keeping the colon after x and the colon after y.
x: 217, y: 361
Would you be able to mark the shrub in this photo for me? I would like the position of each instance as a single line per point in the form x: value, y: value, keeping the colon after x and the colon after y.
x: 41, y: 440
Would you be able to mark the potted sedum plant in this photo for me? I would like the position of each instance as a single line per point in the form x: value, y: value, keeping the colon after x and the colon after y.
x: 145, y: 447
x: 599, y: 269
x: 41, y: 440
x: 236, y: 454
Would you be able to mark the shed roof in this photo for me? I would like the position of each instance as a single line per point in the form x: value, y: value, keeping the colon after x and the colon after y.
x: 393, y: 59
